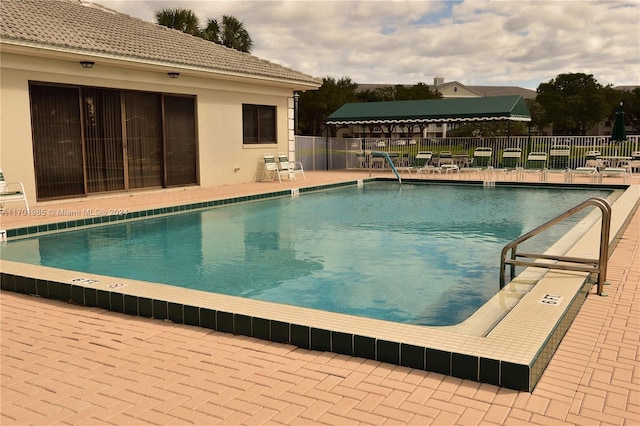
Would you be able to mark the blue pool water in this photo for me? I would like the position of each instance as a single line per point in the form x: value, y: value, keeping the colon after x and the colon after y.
x: 420, y: 254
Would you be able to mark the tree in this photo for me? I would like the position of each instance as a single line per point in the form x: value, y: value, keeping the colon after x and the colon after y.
x: 489, y: 129
x: 231, y: 33
x: 632, y: 109
x: 573, y: 103
x: 179, y: 19
x: 398, y: 92
x: 316, y: 105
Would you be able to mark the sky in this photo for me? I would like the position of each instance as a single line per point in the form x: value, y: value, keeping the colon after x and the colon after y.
x: 475, y: 42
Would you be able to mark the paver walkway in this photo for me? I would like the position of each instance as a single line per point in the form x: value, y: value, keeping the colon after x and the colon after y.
x: 65, y: 364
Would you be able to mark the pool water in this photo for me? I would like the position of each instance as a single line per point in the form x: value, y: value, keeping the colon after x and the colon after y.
x: 418, y: 254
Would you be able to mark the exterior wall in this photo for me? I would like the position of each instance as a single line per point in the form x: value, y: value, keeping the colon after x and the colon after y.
x: 218, y: 115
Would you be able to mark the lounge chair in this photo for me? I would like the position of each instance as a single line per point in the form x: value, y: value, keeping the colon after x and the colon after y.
x: 421, y: 159
x: 558, y: 162
x: 447, y: 164
x: 481, y: 162
x: 293, y: 167
x: 422, y: 163
x: 12, y: 191
x: 536, y: 164
x: 590, y: 172
x: 622, y: 172
x: 273, y: 170
x: 511, y: 158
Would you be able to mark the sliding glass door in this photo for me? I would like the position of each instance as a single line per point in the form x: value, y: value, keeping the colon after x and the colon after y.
x: 91, y: 140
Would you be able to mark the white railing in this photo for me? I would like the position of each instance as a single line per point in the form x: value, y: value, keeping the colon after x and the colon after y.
x: 321, y: 153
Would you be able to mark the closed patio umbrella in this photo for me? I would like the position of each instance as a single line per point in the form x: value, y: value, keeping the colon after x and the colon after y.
x: 619, y: 134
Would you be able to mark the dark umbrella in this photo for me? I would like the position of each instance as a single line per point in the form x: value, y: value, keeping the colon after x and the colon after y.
x: 619, y: 134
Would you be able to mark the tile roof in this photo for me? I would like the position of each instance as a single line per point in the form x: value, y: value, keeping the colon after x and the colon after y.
x: 87, y: 28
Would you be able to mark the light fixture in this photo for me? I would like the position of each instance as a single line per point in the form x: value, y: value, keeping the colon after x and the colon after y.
x: 173, y: 74
x: 87, y: 64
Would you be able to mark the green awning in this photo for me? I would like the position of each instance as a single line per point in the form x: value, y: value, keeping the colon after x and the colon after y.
x: 492, y: 108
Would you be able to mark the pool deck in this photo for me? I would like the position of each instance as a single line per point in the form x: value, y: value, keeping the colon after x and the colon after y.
x: 67, y: 364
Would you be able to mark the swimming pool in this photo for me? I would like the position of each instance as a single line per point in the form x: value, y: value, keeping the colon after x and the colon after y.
x: 416, y: 254
x: 507, y: 342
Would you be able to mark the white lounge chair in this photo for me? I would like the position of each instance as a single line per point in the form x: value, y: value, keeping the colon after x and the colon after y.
x: 294, y: 167
x: 559, y: 162
x: 590, y: 172
x: 481, y: 162
x: 620, y: 172
x: 536, y: 164
x: 511, y: 158
x: 272, y: 170
x: 9, y: 192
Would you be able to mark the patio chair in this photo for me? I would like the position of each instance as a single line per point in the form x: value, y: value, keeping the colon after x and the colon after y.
x: 16, y: 193
x: 481, y: 162
x: 294, y: 167
x: 536, y: 164
x: 272, y: 169
x: 445, y: 158
x: 592, y: 159
x: 558, y: 162
x: 634, y: 163
x: 511, y: 158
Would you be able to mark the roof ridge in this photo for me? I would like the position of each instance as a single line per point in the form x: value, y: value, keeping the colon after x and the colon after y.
x: 89, y: 28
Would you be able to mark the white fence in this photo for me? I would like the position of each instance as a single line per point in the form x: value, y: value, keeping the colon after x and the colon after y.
x: 321, y: 153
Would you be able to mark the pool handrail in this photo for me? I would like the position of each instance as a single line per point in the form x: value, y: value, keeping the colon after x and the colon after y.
x: 590, y: 265
x: 388, y: 158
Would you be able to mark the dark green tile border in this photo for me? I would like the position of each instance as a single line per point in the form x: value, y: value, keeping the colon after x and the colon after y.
x: 99, y: 220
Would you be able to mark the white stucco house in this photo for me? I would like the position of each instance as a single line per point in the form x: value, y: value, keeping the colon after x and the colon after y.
x: 94, y: 101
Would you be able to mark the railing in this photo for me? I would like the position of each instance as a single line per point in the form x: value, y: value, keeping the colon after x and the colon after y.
x: 384, y: 156
x: 570, y: 263
x: 325, y: 153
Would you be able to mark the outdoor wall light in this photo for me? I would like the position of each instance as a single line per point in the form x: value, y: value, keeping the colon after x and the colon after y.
x: 173, y: 74
x: 87, y: 64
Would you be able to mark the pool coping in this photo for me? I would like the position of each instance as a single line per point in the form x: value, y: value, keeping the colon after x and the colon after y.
x: 513, y: 355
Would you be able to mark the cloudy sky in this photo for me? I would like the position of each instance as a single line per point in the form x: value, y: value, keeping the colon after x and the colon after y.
x: 506, y: 43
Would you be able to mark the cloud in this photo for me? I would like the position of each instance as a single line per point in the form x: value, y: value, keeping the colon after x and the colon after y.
x: 473, y: 41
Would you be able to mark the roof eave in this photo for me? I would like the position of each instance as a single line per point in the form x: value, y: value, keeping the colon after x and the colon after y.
x: 427, y: 120
x: 143, y: 64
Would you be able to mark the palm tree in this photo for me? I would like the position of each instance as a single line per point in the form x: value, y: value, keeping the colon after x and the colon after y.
x: 231, y: 33
x: 179, y: 19
x: 212, y: 31
x: 234, y: 35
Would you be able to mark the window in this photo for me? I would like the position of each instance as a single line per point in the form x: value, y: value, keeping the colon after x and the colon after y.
x: 258, y: 124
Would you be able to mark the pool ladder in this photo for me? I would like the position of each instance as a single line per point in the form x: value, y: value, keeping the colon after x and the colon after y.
x: 385, y: 155
x: 598, y: 266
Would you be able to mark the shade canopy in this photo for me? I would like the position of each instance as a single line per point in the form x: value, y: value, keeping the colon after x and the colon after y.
x: 619, y: 133
x: 493, y: 108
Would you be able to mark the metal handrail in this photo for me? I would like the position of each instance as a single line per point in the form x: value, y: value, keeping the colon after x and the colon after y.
x: 578, y: 264
x: 385, y: 155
